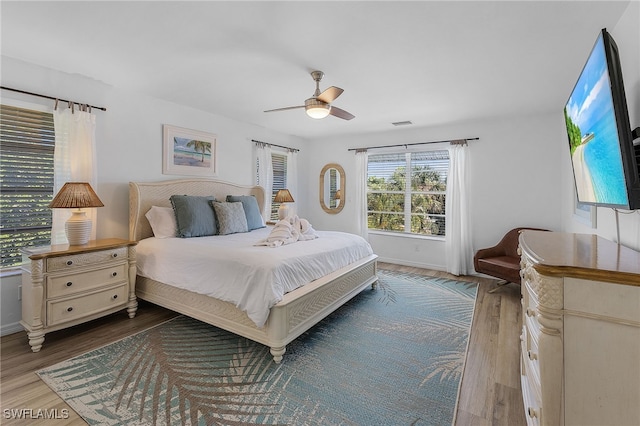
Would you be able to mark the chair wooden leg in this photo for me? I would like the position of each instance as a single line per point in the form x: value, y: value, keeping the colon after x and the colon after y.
x: 499, y: 285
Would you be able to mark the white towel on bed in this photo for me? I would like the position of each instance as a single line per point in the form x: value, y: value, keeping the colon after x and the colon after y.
x: 288, y: 231
x: 306, y: 230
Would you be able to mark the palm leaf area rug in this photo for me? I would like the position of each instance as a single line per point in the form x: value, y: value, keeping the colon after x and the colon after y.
x: 393, y: 355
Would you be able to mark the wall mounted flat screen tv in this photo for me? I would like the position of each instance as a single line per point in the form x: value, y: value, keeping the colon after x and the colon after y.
x: 603, y: 156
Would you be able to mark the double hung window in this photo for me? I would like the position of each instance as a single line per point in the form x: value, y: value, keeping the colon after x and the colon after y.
x: 278, y: 180
x: 406, y: 192
x: 279, y: 165
x: 27, y: 141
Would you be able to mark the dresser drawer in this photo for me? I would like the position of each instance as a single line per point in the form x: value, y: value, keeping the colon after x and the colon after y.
x: 533, y: 328
x: 531, y: 387
x: 63, y: 310
x: 531, y: 405
x: 66, y: 263
x: 70, y: 284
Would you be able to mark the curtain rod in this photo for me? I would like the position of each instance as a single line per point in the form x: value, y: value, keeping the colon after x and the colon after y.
x: 452, y: 142
x: 49, y: 97
x: 273, y: 144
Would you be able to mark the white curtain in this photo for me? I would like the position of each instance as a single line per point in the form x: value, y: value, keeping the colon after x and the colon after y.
x: 459, y: 248
x: 292, y: 179
x: 265, y: 176
x: 361, y: 193
x: 74, y: 161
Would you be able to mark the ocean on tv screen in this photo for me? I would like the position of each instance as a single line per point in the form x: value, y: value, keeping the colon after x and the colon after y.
x: 596, y: 157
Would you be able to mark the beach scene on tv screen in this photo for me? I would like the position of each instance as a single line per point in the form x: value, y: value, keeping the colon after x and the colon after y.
x: 593, y: 135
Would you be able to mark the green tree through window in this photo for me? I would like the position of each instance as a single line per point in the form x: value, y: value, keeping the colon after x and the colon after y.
x: 412, y: 204
x: 27, y: 142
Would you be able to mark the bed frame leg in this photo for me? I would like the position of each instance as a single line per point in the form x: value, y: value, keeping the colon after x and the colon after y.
x: 277, y: 353
x: 374, y: 285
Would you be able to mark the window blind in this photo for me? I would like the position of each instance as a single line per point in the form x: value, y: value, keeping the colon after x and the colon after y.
x: 279, y: 166
x: 406, y: 192
x: 27, y: 141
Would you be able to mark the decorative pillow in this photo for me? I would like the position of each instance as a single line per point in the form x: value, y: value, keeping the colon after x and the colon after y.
x: 231, y: 218
x: 162, y: 221
x: 194, y: 215
x: 251, y: 210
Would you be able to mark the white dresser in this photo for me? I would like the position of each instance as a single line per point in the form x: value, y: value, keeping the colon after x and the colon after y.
x: 580, y: 359
x: 66, y: 285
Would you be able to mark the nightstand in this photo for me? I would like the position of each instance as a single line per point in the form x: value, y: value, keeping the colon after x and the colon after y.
x: 65, y: 285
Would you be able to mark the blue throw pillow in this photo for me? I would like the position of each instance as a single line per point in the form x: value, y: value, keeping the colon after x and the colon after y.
x: 251, y: 210
x: 194, y: 215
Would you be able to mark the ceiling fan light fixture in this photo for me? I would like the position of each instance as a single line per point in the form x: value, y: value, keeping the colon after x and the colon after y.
x: 317, y: 109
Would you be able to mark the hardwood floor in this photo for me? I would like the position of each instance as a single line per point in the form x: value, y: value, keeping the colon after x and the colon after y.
x: 490, y: 393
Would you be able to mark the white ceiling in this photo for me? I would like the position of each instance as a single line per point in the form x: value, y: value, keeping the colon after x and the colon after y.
x: 425, y: 61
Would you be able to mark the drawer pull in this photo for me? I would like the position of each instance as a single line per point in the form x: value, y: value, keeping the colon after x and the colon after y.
x: 115, y: 296
x: 69, y: 284
x: 70, y: 308
x: 113, y: 274
x: 114, y: 255
x: 532, y: 355
x: 532, y: 412
x: 531, y: 312
x: 69, y: 262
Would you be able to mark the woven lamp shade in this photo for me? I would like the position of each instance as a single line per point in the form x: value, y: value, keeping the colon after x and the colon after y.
x: 283, y: 196
x: 76, y: 195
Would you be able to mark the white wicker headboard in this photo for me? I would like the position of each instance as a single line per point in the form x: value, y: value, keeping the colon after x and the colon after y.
x: 143, y: 195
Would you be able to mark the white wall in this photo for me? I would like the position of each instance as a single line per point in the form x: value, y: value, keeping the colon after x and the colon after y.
x: 129, y: 147
x: 513, y: 175
x: 520, y: 170
x: 627, y: 36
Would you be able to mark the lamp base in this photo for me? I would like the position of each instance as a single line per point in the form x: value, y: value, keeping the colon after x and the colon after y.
x: 283, y: 211
x: 78, y: 228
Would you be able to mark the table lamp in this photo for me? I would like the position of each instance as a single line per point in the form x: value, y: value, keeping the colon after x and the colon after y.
x: 76, y: 195
x: 283, y: 196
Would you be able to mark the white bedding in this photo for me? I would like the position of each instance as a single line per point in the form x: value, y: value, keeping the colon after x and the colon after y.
x: 233, y: 269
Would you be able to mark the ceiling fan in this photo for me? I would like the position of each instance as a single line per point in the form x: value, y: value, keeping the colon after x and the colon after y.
x: 319, y: 105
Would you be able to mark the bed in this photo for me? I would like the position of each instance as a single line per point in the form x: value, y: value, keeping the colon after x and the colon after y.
x: 296, y: 312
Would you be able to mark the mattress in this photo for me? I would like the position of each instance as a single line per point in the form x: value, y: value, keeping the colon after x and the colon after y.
x: 234, y: 269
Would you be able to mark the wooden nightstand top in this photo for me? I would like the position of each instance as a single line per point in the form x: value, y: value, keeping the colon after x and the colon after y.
x: 42, y: 252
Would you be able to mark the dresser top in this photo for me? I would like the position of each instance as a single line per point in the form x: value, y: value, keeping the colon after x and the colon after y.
x: 581, y: 256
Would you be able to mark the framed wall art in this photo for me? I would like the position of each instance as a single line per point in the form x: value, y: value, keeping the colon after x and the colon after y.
x: 188, y: 152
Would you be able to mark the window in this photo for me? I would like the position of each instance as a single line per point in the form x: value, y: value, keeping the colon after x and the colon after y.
x: 279, y: 180
x: 279, y: 164
x: 412, y: 204
x: 26, y: 181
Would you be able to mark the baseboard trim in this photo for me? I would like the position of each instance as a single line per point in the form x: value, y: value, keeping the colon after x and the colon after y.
x: 405, y: 262
x: 7, y: 329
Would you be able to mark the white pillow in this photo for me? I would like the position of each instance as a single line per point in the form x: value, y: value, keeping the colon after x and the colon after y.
x: 162, y: 221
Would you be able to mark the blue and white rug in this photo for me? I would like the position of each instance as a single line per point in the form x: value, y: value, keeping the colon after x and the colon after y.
x: 391, y: 356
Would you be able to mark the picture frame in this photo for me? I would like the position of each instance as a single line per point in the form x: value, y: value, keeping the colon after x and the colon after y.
x: 188, y: 152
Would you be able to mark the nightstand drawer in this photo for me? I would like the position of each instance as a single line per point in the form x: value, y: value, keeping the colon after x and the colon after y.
x: 70, y: 284
x: 65, y: 263
x: 63, y: 310
x: 64, y: 285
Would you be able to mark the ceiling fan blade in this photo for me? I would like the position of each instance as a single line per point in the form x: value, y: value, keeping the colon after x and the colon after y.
x: 340, y: 113
x: 285, y: 108
x: 330, y: 94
